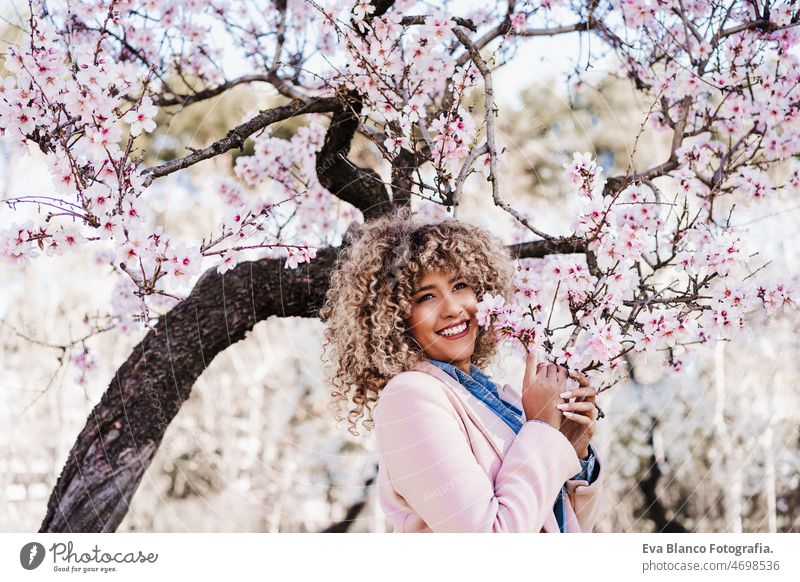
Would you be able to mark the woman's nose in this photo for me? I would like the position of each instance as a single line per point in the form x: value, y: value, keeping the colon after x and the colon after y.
x: 451, y: 306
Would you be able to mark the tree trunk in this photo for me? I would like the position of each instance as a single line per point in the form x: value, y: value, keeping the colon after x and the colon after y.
x: 352, y: 512
x: 731, y: 462
x: 653, y: 507
x: 124, y: 430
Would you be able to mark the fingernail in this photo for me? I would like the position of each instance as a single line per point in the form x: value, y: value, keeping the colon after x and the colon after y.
x: 562, y: 406
x: 566, y: 394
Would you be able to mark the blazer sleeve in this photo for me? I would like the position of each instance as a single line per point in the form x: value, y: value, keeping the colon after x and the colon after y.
x: 587, y: 498
x: 427, y: 456
x: 588, y: 472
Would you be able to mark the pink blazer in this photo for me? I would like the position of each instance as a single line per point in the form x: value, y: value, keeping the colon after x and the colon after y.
x: 447, y: 463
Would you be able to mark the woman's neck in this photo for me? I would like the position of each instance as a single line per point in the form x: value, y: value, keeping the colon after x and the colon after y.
x: 463, y: 365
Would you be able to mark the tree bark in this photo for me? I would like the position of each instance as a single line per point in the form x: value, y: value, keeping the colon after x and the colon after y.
x: 352, y: 512
x: 731, y: 466
x: 124, y: 430
x: 653, y: 507
x: 361, y: 187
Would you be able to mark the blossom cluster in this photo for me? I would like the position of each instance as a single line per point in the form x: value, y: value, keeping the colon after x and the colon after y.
x: 613, y: 308
x: 86, y: 104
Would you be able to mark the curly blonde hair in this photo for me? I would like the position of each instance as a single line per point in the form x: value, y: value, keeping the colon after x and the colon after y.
x: 369, y: 300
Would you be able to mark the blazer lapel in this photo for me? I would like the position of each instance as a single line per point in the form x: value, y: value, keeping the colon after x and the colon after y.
x: 550, y: 524
x: 471, y: 404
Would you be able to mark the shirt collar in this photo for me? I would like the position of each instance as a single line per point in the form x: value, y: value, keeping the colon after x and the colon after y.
x: 475, y: 373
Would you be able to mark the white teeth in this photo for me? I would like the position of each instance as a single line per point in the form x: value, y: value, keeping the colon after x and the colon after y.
x: 454, y: 330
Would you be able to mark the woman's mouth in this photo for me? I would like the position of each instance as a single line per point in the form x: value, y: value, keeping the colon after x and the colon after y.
x: 455, y: 331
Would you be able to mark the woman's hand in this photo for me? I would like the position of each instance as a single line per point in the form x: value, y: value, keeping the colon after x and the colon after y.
x: 541, y: 387
x: 580, y: 417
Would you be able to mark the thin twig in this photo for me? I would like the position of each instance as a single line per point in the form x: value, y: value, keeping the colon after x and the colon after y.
x: 490, y: 139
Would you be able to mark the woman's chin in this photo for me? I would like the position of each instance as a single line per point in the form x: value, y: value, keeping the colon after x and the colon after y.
x: 451, y: 355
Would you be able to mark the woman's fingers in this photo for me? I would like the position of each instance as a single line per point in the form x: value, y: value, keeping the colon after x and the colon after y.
x: 586, y: 409
x: 551, y: 370
x: 534, y: 369
x: 531, y: 366
x: 579, y: 418
x: 541, y: 372
x: 577, y: 406
x: 532, y: 359
x: 580, y: 378
x: 587, y: 393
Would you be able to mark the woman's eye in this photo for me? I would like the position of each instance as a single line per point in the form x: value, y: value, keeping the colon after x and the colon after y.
x: 456, y: 286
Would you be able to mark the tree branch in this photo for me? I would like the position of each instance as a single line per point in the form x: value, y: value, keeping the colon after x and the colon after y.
x: 361, y: 187
x: 475, y: 55
x: 403, y: 166
x: 465, y: 22
x: 616, y: 184
x: 185, y: 100
x: 554, y: 246
x: 236, y: 137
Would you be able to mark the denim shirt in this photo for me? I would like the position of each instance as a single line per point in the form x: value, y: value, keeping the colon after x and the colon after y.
x: 480, y: 386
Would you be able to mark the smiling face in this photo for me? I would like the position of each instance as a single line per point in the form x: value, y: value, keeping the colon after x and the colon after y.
x: 442, y: 321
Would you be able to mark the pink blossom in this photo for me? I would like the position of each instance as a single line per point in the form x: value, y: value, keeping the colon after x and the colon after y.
x: 297, y: 255
x: 415, y: 108
x: 488, y: 306
x: 453, y: 133
x: 182, y: 265
x: 140, y: 118
x: 361, y: 9
x: 16, y: 246
x: 602, y: 341
x: 229, y: 259
x: 527, y: 288
x: 752, y: 183
x: 777, y: 296
x: 98, y: 196
x: 584, y: 173
x: 721, y: 320
x: 518, y: 20
x: 394, y: 142
x: 84, y: 362
x: 65, y: 238
x: 62, y: 174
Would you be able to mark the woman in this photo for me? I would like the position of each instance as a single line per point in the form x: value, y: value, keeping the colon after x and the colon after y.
x: 455, y: 453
